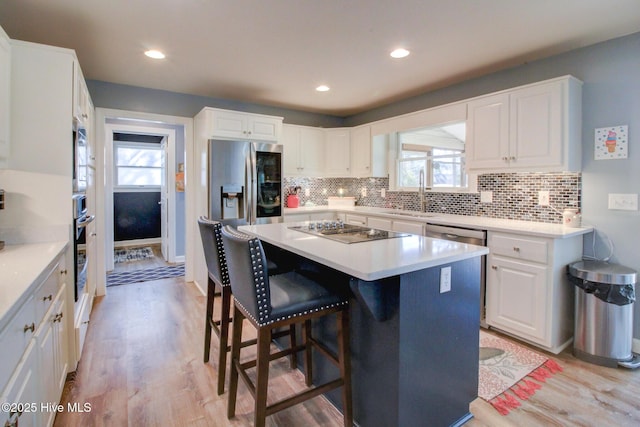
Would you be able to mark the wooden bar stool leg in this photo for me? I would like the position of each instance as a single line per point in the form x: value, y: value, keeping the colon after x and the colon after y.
x: 262, y: 376
x: 345, y: 365
x: 224, y: 337
x: 236, y: 342
x: 292, y: 343
x: 308, y: 361
x: 211, y: 288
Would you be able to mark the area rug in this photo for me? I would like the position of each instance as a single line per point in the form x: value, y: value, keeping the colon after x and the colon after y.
x: 132, y: 254
x: 126, y: 277
x: 507, y: 371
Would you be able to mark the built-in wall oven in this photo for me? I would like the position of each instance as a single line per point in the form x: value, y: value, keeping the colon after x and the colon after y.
x: 473, y: 237
x: 80, y: 219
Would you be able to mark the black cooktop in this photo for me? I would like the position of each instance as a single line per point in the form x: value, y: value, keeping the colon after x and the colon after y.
x: 346, y: 233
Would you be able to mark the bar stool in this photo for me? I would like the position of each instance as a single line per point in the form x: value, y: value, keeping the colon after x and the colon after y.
x: 219, y: 278
x: 274, y: 301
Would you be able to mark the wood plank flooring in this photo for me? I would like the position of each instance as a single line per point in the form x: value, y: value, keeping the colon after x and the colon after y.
x: 142, y: 366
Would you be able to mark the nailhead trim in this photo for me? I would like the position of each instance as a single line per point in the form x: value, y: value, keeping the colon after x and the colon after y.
x: 222, y: 258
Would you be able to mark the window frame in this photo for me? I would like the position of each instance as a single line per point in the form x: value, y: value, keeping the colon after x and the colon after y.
x: 141, y: 146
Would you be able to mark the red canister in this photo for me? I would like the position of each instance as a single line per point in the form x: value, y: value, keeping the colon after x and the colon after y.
x: 293, y: 201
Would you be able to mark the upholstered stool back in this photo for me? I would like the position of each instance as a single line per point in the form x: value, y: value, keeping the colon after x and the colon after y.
x: 214, y: 254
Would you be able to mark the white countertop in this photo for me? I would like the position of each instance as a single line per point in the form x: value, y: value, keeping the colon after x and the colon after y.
x: 367, y: 260
x: 20, y: 269
x: 540, y: 229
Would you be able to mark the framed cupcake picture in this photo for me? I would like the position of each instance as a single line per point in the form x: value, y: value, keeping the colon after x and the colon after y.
x: 611, y: 143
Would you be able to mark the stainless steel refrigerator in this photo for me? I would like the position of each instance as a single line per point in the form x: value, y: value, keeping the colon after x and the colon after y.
x: 245, y: 182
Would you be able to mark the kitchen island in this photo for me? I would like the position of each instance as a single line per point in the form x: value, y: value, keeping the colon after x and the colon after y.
x: 414, y: 322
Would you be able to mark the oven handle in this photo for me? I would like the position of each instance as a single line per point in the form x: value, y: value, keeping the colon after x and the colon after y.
x: 86, y: 221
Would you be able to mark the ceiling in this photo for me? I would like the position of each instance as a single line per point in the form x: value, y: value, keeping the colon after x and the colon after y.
x: 276, y: 52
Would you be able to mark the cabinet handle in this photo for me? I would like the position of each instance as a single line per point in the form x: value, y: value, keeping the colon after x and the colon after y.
x: 63, y: 271
x: 58, y: 317
x: 494, y: 267
x: 93, y: 234
x: 513, y: 158
x: 47, y: 297
x: 505, y: 158
x: 516, y: 249
x: 85, y: 322
x: 31, y: 327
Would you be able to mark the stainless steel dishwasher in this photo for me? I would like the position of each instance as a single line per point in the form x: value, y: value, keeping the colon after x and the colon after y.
x: 465, y: 235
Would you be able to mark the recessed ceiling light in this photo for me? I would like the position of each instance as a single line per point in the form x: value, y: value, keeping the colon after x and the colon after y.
x: 155, y: 54
x: 400, y: 53
x: 322, y: 88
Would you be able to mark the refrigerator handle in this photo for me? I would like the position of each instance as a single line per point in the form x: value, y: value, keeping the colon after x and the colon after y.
x: 249, y: 172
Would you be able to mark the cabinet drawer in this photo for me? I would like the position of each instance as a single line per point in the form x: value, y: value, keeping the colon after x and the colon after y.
x: 529, y: 249
x: 45, y: 294
x: 356, y: 219
x: 14, y: 339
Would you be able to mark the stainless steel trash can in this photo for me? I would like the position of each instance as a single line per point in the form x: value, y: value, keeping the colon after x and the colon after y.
x: 604, y: 297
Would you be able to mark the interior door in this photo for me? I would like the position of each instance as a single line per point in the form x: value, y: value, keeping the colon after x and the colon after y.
x: 164, y: 198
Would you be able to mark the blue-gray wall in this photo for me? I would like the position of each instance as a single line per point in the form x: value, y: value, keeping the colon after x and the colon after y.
x: 611, y: 96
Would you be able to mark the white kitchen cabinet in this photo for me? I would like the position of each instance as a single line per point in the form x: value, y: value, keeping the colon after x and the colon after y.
x: 228, y: 124
x: 82, y: 105
x: 528, y: 292
x: 368, y: 154
x: 379, y: 223
x: 303, y: 150
x: 337, y: 152
x: 413, y: 227
x: 531, y: 128
x: 34, y: 346
x: 355, y: 219
x: 5, y: 98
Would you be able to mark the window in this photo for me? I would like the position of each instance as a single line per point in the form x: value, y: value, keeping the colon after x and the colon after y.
x: 138, y: 164
x: 438, y: 151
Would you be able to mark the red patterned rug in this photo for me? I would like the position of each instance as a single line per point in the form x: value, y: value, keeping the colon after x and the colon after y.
x: 507, y: 371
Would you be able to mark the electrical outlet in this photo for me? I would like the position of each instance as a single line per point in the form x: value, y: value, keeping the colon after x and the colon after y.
x: 486, y: 197
x: 445, y: 279
x: 363, y: 192
x: 543, y: 198
x: 623, y: 202
x: 383, y: 193
x: 307, y: 192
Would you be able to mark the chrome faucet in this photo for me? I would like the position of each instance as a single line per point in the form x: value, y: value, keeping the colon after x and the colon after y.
x: 421, y: 191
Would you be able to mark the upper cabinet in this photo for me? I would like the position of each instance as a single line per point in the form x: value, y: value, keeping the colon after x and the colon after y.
x: 337, y: 143
x: 5, y: 89
x: 368, y: 153
x: 82, y: 108
x: 228, y: 124
x: 303, y: 150
x: 532, y: 128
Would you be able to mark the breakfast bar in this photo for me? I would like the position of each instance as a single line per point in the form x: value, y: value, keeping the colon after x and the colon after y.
x: 414, y: 320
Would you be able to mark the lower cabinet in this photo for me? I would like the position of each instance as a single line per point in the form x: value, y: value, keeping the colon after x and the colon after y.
x: 528, y: 292
x: 35, y: 382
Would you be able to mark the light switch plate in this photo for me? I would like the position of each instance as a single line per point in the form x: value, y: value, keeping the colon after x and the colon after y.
x: 543, y: 198
x: 445, y: 279
x: 623, y: 202
x: 307, y: 192
x: 383, y: 193
x: 486, y: 197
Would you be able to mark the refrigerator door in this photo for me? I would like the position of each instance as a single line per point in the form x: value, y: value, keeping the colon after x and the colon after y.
x: 266, y: 188
x: 228, y: 181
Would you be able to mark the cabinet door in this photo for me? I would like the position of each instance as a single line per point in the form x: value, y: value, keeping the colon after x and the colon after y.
x: 361, y: 152
x: 409, y: 227
x: 46, y: 363
x: 23, y: 388
x: 291, y: 152
x: 5, y: 87
x: 487, y: 143
x: 311, y: 151
x: 228, y: 124
x: 60, y: 340
x: 379, y: 223
x: 264, y: 128
x: 516, y: 297
x: 536, y: 126
x: 337, y: 150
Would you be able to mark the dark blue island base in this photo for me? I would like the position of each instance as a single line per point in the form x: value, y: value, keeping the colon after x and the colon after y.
x: 414, y: 350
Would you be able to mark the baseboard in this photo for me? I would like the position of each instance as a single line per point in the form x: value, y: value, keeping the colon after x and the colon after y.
x: 138, y: 242
x: 180, y: 259
x: 635, y: 346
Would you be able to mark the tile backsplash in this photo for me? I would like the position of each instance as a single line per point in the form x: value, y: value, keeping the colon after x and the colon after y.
x: 515, y: 195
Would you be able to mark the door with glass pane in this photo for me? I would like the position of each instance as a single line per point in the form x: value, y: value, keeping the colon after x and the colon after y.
x: 268, y: 183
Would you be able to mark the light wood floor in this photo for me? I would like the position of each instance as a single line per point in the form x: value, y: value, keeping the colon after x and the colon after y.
x: 142, y: 366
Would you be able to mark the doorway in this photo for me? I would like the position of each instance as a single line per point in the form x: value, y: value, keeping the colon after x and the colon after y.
x: 120, y: 129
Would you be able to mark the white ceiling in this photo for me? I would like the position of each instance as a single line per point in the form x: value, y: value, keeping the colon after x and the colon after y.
x: 276, y: 52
